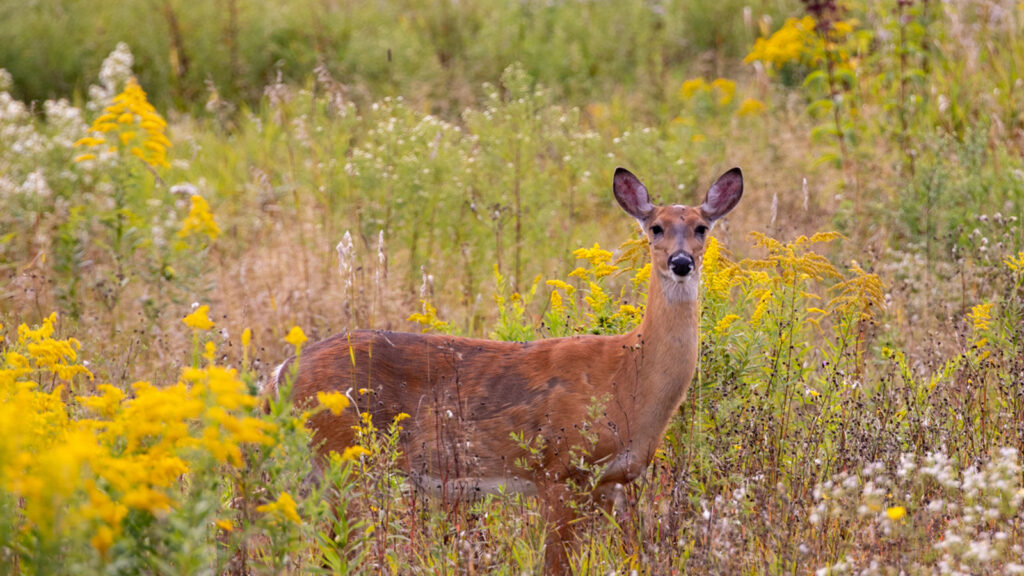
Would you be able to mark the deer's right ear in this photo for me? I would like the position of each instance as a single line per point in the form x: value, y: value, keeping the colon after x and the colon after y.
x: 631, y: 194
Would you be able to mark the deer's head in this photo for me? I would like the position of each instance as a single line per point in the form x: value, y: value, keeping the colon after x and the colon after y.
x: 677, y: 233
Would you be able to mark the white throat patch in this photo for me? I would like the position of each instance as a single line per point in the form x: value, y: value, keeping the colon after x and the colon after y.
x: 684, y: 290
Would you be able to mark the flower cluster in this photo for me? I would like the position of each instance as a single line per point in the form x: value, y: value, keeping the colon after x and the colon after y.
x: 794, y: 43
x: 428, y: 318
x: 966, y: 514
x: 78, y: 461
x: 600, y: 310
x: 130, y: 123
x: 200, y: 221
x: 720, y: 89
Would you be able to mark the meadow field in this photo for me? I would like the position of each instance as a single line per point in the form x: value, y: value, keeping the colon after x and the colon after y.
x: 192, y: 192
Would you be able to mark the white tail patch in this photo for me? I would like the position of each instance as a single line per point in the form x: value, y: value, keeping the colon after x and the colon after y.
x: 274, y: 380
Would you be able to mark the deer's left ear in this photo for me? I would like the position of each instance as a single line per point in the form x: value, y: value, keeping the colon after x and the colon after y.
x: 723, y: 195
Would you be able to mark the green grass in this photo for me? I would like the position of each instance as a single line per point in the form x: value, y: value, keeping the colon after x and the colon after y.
x: 858, y: 401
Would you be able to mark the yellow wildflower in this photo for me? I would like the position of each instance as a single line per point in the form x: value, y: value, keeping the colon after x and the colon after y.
x: 225, y: 525
x: 296, y: 337
x: 595, y: 256
x: 692, y: 87
x: 147, y: 499
x: 130, y: 110
x: 200, y: 319
x: 1015, y: 263
x: 842, y: 28
x: 210, y: 351
x: 725, y: 89
x: 981, y: 317
x: 896, y: 512
x: 580, y: 272
x: 354, y: 453
x: 724, y: 323
x: 428, y: 318
x: 556, y: 302
x: 102, y: 540
x: 794, y: 42
x: 284, y: 508
x: 569, y: 289
x: 750, y: 107
x: 106, y: 404
x: 597, y: 299
x: 199, y: 220
x: 336, y: 402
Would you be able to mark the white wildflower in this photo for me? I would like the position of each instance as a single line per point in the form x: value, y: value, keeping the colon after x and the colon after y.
x: 114, y: 72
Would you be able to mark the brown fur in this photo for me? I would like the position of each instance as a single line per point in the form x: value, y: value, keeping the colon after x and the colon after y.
x: 465, y: 397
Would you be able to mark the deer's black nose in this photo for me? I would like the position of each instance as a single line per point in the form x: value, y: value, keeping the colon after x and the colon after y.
x: 680, y: 263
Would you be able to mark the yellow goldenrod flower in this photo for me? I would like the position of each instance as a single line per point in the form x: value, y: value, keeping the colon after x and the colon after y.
x: 569, y: 289
x: 597, y: 299
x: 354, y: 453
x: 724, y: 324
x: 284, y: 508
x: 401, y: 416
x: 210, y: 351
x: 246, y: 337
x: 692, y: 87
x: 225, y: 525
x: 794, y: 42
x: 842, y: 28
x: 336, y: 402
x: 595, y: 256
x: 428, y: 318
x: 556, y: 302
x: 89, y: 141
x: 981, y: 317
x: 147, y: 499
x: 200, y: 319
x: 296, y: 337
x: 102, y: 539
x: 1015, y: 263
x: 130, y: 110
x: 107, y: 403
x: 750, y: 107
x: 725, y: 90
x: 896, y: 512
x: 199, y: 220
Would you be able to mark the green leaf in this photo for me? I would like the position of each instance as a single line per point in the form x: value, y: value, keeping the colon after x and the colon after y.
x: 822, y: 106
x: 829, y: 158
x: 822, y: 131
x: 817, y: 79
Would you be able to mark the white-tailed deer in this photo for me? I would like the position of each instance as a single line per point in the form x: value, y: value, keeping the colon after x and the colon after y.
x: 466, y: 398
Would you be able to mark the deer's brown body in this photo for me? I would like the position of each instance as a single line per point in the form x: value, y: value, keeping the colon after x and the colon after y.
x: 466, y: 397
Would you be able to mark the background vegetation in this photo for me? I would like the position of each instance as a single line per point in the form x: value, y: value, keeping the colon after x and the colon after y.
x: 439, y: 165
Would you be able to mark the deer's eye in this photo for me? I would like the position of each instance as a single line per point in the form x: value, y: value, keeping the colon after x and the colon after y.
x: 700, y: 230
x: 657, y: 230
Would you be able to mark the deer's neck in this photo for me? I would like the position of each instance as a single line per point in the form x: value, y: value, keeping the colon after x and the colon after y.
x: 668, y: 342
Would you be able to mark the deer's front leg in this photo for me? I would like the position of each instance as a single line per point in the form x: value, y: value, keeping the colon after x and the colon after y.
x: 559, y: 516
